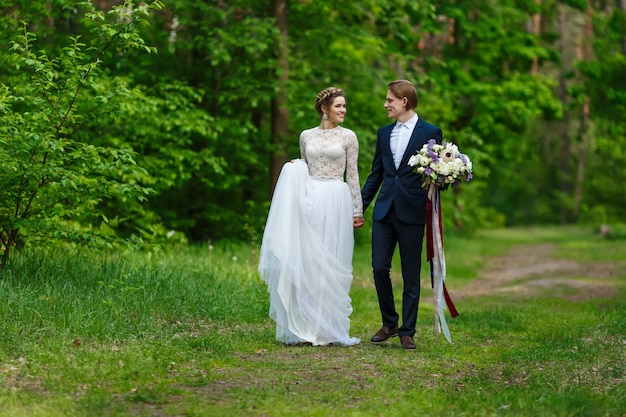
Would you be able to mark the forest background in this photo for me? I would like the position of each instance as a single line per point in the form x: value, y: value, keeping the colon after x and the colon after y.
x: 169, y: 122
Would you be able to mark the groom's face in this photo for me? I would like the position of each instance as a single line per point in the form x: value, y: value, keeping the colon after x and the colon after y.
x: 395, y: 106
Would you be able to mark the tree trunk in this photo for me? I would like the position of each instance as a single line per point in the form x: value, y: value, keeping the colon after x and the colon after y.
x: 280, y: 113
x: 622, y: 5
x: 584, y: 52
x: 565, y: 151
x: 536, y: 30
x: 8, y: 243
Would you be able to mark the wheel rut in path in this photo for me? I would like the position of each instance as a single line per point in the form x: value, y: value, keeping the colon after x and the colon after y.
x: 532, y: 271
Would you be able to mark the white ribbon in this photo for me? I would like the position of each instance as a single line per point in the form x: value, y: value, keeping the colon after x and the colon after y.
x: 438, y: 265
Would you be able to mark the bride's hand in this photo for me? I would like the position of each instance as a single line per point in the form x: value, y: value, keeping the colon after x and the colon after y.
x: 358, y: 222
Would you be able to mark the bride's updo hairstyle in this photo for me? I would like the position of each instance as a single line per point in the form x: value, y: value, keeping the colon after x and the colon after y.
x: 326, y: 98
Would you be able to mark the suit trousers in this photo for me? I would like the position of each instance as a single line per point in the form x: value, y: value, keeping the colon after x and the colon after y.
x: 386, y: 234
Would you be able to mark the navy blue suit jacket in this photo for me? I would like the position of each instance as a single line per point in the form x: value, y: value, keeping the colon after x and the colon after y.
x: 401, y: 188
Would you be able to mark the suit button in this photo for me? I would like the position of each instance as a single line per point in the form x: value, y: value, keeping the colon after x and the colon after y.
x: 396, y: 177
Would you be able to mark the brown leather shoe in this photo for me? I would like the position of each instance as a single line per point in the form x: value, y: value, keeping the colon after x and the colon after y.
x: 384, y: 333
x: 407, y: 342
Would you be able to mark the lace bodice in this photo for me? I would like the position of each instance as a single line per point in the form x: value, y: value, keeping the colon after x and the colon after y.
x: 333, y: 153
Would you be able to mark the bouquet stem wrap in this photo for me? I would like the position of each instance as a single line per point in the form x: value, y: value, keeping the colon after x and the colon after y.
x: 436, y: 256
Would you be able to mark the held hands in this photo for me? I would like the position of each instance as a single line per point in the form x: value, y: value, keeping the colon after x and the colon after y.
x: 358, y: 222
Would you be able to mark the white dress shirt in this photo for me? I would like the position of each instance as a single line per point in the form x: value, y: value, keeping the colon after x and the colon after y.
x: 400, y: 137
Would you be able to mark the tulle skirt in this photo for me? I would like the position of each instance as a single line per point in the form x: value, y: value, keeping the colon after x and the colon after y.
x: 306, y: 258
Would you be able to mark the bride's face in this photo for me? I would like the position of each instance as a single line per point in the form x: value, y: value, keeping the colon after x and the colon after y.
x: 337, y: 110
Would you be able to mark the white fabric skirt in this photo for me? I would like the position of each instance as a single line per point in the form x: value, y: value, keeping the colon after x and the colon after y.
x: 306, y: 258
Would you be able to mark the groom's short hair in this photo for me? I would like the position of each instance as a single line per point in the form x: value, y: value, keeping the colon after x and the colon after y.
x: 404, y: 88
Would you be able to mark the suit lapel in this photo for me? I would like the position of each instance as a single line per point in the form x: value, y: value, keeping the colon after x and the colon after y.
x: 387, y: 139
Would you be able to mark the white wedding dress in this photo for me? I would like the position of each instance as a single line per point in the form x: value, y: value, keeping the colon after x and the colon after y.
x: 308, y: 242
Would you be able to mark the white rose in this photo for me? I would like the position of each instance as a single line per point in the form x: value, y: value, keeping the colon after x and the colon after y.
x: 443, y: 169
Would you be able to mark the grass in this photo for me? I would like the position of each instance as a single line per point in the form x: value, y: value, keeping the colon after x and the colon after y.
x: 185, y: 332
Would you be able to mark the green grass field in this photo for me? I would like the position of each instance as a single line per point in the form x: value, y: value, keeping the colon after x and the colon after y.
x: 185, y: 332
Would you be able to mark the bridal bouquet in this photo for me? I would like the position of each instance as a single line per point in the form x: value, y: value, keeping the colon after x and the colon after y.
x: 441, y: 165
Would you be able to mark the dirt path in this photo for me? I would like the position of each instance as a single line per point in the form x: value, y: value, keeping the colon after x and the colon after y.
x: 530, y: 270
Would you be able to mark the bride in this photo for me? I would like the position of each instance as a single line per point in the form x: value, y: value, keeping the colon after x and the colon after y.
x: 307, y: 247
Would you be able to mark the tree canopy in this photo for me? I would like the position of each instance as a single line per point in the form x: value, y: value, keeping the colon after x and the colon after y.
x: 139, y: 120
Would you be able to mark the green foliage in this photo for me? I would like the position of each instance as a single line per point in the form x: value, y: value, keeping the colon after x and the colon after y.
x: 52, y: 182
x: 196, y: 117
x: 201, y: 127
x: 605, y: 85
x: 488, y: 103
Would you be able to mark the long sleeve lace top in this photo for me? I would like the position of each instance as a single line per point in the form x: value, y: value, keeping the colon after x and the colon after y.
x: 333, y: 153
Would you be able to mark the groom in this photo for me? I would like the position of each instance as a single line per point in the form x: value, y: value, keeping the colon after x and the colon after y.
x: 400, y: 210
